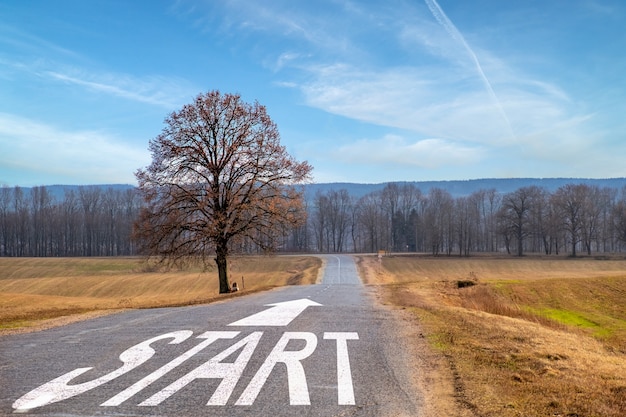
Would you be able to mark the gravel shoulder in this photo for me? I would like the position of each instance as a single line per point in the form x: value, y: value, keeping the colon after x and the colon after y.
x: 426, y: 373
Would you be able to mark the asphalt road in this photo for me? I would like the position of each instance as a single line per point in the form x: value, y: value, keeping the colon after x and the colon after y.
x: 322, y: 350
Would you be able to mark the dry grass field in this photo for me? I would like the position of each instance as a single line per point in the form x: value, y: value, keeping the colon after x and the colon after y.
x: 33, y: 290
x: 532, y: 336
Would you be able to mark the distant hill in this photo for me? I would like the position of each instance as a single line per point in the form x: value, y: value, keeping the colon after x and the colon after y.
x: 58, y: 191
x: 461, y: 188
x: 457, y: 188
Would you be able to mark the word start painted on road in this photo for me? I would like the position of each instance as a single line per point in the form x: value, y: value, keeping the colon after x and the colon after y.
x: 229, y: 373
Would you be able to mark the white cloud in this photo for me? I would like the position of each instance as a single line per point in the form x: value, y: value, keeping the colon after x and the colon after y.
x: 552, y: 137
x: 27, y: 42
x: 42, y: 154
x: 406, y: 66
x: 160, y: 91
x: 156, y: 90
x: 448, y: 86
x: 284, y: 60
x: 445, y: 103
x: 414, y: 99
x: 42, y: 59
x: 396, y: 150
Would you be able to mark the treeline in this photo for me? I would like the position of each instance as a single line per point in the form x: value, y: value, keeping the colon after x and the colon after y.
x: 576, y: 218
x: 86, y: 221
x: 400, y: 218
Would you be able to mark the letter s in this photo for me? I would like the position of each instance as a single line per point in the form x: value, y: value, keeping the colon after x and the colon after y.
x: 58, y: 390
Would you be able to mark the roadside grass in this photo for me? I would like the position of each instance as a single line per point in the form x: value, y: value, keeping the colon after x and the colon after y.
x: 530, y: 336
x: 37, y: 289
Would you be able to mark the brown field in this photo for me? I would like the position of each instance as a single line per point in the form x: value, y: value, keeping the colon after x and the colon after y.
x: 533, y: 336
x: 33, y: 290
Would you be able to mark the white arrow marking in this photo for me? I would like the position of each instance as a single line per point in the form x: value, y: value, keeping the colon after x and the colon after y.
x: 281, y: 314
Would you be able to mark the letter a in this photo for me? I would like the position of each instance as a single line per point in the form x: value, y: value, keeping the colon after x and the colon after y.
x: 228, y: 372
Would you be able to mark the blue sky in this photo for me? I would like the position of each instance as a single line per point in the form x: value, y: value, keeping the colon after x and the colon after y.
x: 366, y: 91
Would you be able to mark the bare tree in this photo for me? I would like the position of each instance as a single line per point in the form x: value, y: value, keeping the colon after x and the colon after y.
x: 373, y: 222
x: 592, y: 209
x: 218, y: 173
x: 41, y: 214
x: 488, y: 202
x: 619, y: 217
x: 462, y: 209
x: 607, y: 236
x: 402, y: 228
x: 540, y: 215
x: 515, y: 213
x: 332, y: 213
x: 468, y: 219
x: 570, y: 200
x: 391, y: 200
x: 22, y: 225
x: 320, y: 221
x: 299, y: 240
x: 5, y: 220
x: 438, y: 221
x: 70, y: 224
x: 340, y: 205
x: 90, y: 199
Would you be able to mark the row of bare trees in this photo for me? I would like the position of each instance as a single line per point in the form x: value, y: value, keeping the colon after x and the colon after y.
x: 87, y: 221
x: 401, y: 218
x: 96, y: 221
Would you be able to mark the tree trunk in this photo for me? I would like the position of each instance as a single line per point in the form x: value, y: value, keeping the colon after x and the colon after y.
x: 222, y: 266
x: 574, y: 242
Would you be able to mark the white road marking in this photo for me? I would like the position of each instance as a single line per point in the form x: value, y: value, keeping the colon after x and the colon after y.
x: 280, y: 314
x: 345, y: 389
x: 338, y: 270
x: 298, y: 389
x: 143, y: 383
x: 229, y: 373
x: 57, y: 389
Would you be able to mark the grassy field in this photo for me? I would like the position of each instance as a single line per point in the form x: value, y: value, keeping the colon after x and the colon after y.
x: 37, y: 289
x: 528, y: 336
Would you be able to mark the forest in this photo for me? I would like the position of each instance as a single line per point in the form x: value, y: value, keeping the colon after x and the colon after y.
x: 576, y: 218
x: 401, y: 218
x: 84, y: 221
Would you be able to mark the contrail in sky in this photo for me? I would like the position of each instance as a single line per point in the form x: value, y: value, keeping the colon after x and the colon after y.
x: 447, y: 24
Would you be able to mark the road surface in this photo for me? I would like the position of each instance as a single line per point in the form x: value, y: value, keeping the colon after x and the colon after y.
x: 317, y: 350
